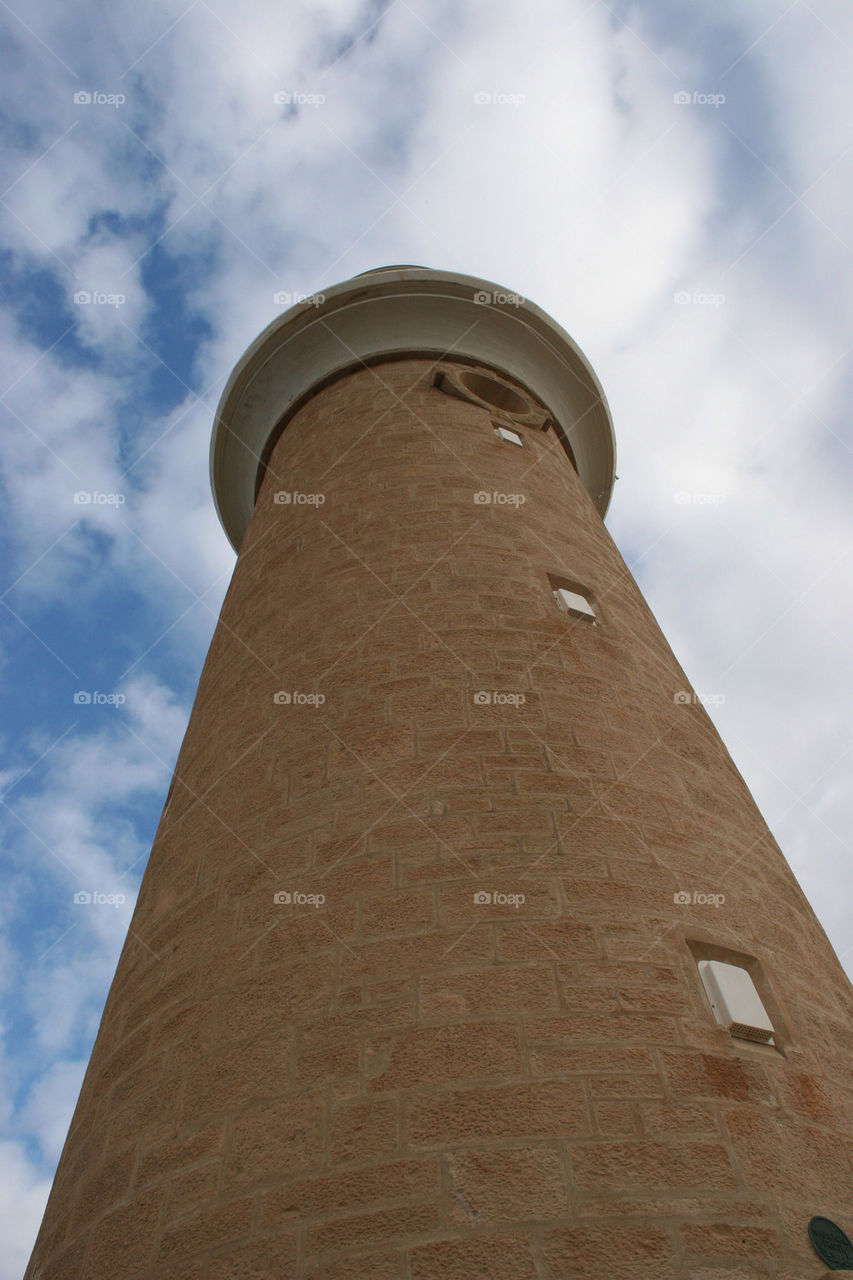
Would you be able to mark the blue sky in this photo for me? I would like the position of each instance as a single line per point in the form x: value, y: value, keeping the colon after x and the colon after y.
x: 698, y: 250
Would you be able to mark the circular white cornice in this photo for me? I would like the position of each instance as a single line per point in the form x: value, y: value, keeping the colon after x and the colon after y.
x: 392, y: 312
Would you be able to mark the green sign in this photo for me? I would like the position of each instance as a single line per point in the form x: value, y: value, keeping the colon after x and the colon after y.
x: 831, y: 1244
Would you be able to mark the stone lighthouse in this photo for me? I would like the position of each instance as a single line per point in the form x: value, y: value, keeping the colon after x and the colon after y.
x: 462, y: 952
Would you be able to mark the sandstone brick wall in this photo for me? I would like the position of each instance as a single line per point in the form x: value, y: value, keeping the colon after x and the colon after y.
x: 404, y: 1083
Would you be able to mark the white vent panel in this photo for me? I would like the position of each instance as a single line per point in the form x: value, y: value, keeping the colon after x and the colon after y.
x: 735, y: 1001
x: 574, y: 602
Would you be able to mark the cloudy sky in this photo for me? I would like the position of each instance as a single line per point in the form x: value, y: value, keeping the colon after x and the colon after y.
x: 671, y: 181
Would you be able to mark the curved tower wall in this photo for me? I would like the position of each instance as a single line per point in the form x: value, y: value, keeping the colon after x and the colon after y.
x: 470, y: 1037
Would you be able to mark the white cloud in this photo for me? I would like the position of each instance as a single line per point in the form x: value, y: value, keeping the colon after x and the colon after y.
x: 23, y: 1195
x: 68, y: 833
x: 51, y: 1103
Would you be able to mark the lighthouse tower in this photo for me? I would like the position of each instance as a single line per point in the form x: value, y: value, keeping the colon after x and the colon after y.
x: 462, y: 952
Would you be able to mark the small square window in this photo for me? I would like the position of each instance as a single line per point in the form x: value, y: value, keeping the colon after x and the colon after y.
x: 735, y: 1001
x: 575, y: 603
x: 504, y: 433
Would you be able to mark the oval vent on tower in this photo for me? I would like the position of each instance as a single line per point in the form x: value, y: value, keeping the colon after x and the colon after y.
x: 492, y: 393
x: 495, y: 393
